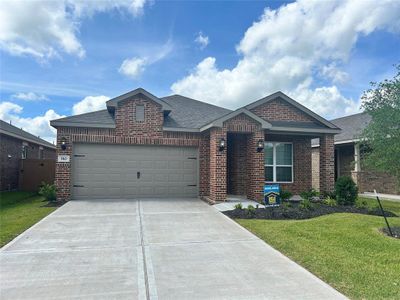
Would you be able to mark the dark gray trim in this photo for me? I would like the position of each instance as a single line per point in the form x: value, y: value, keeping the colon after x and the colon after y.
x: 180, y: 129
x: 306, y: 130
x: 304, y: 109
x: 80, y: 124
x: 220, y: 121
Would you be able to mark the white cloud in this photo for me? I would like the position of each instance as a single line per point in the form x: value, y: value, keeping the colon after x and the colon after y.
x: 89, y: 104
x: 287, y: 50
x: 43, y: 29
x: 334, y: 73
x: 30, y: 96
x: 133, y: 67
x: 202, y: 40
x: 39, y: 125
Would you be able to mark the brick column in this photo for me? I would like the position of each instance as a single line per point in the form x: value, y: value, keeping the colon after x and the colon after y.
x: 63, y: 170
x: 217, y: 165
x: 204, y: 164
x: 255, y: 167
x: 326, y: 163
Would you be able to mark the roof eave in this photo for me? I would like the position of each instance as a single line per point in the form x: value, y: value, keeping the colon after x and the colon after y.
x: 305, y: 130
x: 44, y: 144
x: 220, y: 121
x: 56, y: 124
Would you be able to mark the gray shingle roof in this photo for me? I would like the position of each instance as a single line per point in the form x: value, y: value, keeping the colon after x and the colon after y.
x: 103, y: 117
x: 186, y: 113
x: 9, y: 129
x: 190, y: 113
x: 352, y: 126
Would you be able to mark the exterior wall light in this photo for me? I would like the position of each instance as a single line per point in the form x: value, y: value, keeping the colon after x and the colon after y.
x: 221, y: 145
x: 260, y: 145
x: 63, y: 143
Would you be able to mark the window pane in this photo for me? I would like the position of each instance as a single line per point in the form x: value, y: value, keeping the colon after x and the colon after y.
x: 140, y: 113
x: 268, y: 150
x: 283, y: 173
x: 269, y: 174
x: 284, y: 154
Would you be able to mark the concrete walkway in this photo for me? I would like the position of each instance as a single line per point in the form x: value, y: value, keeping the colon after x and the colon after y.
x: 390, y: 197
x: 148, y: 249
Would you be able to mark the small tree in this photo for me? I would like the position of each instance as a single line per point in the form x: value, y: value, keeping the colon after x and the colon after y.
x: 346, y: 191
x: 382, y: 135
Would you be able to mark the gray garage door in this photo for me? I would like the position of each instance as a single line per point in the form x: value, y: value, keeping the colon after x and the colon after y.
x: 122, y: 171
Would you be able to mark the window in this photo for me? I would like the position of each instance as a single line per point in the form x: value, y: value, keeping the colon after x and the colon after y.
x: 278, y: 162
x: 139, y: 114
x: 41, y: 156
x: 24, y: 152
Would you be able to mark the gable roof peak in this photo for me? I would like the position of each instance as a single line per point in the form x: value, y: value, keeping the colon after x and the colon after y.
x: 112, y: 103
x: 294, y: 103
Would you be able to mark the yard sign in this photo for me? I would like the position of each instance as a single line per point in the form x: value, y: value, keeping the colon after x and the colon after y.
x: 272, y: 195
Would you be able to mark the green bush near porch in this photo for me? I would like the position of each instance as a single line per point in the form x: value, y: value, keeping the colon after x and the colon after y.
x: 345, y: 250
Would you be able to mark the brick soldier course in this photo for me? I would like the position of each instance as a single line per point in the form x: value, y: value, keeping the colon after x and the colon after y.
x: 178, y: 121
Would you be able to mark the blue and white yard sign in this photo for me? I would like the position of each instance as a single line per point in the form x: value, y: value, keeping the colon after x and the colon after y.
x: 272, y: 195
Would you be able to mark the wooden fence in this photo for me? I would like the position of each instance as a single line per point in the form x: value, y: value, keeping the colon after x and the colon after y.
x: 32, y: 172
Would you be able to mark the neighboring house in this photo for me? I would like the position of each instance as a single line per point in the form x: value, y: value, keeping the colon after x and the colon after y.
x: 145, y: 146
x: 17, y: 144
x: 348, y: 157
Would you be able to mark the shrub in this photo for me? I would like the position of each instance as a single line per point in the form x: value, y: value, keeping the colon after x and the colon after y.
x: 48, y: 191
x: 309, y: 195
x: 285, y: 195
x: 361, y: 203
x: 306, y: 204
x: 251, y: 210
x: 330, y: 201
x: 238, y: 206
x: 346, y: 191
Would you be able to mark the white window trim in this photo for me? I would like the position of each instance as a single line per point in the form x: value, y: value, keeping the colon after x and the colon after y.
x: 24, y: 150
x: 274, y: 165
x: 41, y: 150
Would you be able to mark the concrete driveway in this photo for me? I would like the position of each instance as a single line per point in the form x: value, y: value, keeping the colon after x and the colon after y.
x: 148, y: 249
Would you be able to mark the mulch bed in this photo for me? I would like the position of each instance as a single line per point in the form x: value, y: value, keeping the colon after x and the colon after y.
x: 395, y: 231
x: 54, y: 204
x: 297, y: 213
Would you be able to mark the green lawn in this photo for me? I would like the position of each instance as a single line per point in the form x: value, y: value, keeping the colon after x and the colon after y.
x: 18, y: 212
x: 345, y: 250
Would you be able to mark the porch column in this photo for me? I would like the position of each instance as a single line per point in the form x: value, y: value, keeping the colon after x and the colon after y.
x: 217, y: 165
x: 255, y: 167
x: 357, y: 166
x: 326, y: 163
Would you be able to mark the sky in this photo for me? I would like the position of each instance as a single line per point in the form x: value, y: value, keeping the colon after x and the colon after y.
x: 66, y: 57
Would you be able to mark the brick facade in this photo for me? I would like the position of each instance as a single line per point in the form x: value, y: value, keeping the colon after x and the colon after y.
x: 10, y: 165
x: 326, y: 164
x: 302, y: 176
x: 126, y: 125
x: 237, y: 169
x: 366, y: 180
x: 315, y: 168
x: 279, y: 110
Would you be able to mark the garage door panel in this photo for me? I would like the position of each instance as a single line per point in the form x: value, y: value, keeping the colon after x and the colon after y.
x: 110, y: 171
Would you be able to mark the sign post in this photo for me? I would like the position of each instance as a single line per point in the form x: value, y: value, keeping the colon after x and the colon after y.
x: 272, y: 195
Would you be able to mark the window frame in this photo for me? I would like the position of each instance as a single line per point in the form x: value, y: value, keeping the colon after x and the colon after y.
x: 24, y: 150
x: 136, y: 113
x: 41, y: 152
x: 275, y: 165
